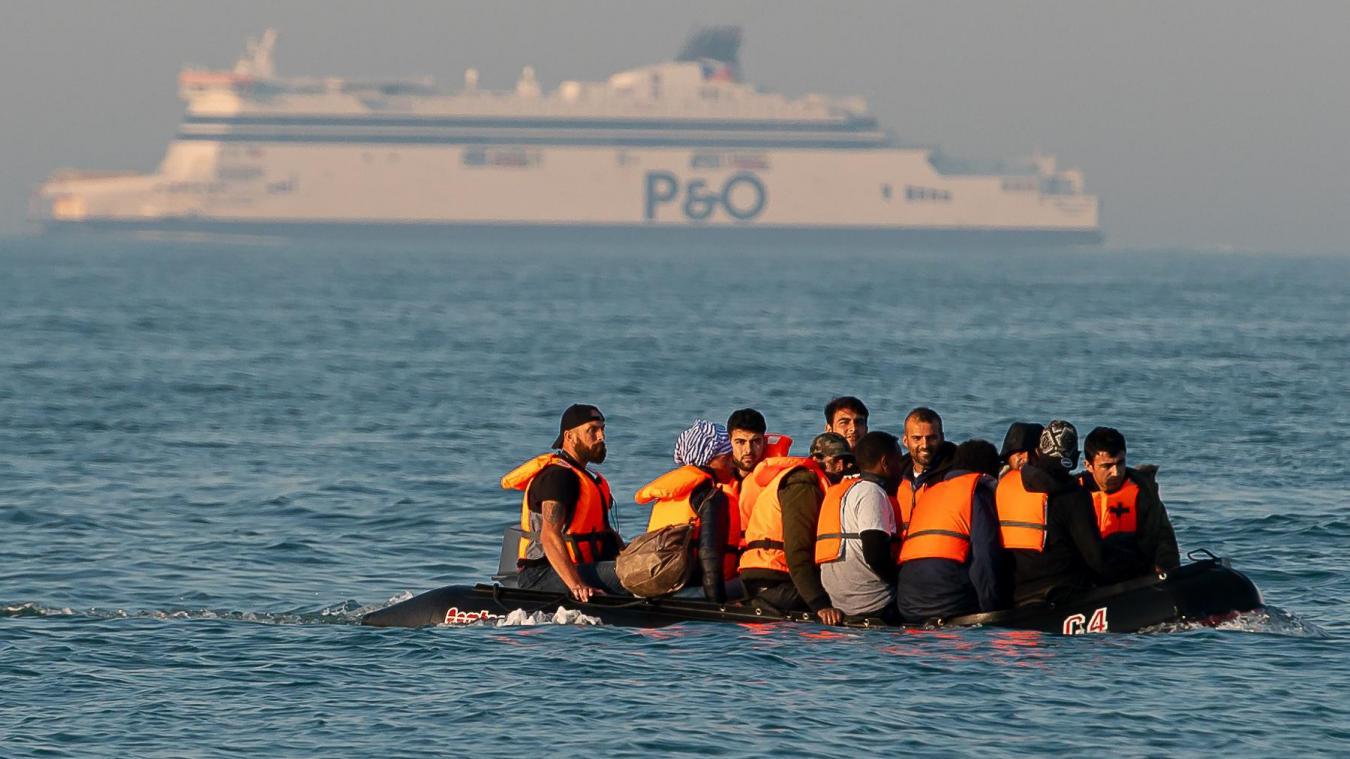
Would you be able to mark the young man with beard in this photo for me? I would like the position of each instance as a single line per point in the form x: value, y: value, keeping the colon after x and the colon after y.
x: 1130, y: 514
x: 1048, y: 525
x: 569, y: 544
x: 751, y: 444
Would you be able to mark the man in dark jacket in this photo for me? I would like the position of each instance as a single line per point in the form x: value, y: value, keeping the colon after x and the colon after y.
x: 1072, y: 557
x: 930, y: 455
x: 800, y: 496
x: 1130, y: 514
x: 933, y: 587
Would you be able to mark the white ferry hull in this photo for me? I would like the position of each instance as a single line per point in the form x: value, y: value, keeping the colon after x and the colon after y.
x: 674, y: 149
x: 301, y: 188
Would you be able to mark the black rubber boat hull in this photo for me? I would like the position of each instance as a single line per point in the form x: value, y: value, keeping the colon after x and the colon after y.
x: 1205, y: 592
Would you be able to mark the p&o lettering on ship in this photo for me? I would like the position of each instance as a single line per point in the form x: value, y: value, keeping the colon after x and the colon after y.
x: 741, y: 197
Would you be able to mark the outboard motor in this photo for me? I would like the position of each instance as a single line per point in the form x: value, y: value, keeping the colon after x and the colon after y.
x: 506, y: 565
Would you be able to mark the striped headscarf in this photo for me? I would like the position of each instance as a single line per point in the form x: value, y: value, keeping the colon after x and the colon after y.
x: 701, y: 443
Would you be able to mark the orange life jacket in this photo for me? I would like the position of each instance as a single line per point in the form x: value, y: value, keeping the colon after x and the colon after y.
x: 905, y: 498
x: 586, y: 533
x: 939, y: 524
x: 673, y: 492
x: 1117, y: 512
x: 753, y: 484
x: 1021, y: 514
x: 830, y: 535
x: 764, y: 533
x: 776, y: 444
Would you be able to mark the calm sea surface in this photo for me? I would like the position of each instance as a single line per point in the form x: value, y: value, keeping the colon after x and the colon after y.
x: 214, y: 458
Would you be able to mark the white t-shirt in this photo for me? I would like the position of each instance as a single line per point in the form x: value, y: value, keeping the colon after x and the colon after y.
x: 853, y: 587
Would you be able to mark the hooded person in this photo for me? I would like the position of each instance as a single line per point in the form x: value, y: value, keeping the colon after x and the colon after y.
x: 1047, y: 524
x: 701, y: 492
x: 1018, y: 443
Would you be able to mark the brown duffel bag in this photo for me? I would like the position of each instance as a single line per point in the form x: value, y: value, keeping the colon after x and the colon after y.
x: 656, y: 563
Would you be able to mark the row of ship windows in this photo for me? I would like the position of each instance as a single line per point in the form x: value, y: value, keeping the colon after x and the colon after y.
x: 919, y: 193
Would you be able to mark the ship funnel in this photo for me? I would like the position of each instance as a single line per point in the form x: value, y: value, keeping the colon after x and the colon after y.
x: 257, y: 58
x: 715, y: 48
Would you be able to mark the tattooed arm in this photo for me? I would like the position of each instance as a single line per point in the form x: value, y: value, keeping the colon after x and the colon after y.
x: 555, y: 548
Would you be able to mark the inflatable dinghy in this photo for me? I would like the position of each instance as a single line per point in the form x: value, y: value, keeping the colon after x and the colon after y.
x: 1206, y: 591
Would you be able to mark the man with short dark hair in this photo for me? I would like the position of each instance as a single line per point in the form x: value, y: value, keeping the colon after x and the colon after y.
x: 856, y: 533
x: 1130, y: 514
x: 846, y: 416
x: 951, y: 560
x: 751, y: 444
x: 778, y: 566
x: 1048, y: 526
x: 568, y: 544
x: 929, y: 457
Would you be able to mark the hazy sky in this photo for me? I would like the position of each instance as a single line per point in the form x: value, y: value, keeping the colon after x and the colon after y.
x: 1216, y: 123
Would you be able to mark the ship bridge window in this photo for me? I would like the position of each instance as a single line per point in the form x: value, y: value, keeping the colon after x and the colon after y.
x: 886, y: 191
x: 926, y: 194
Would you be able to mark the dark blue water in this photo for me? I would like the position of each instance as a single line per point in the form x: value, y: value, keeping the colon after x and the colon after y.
x: 213, y: 458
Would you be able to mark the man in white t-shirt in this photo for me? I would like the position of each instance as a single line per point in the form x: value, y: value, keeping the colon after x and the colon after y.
x: 854, y: 541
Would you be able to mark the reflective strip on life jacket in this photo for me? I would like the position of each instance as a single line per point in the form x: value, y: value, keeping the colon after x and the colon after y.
x: 1021, y: 514
x: 764, y: 533
x: 1118, y: 512
x: 587, y: 532
x: 939, y: 525
x: 830, y: 536
x: 673, y: 493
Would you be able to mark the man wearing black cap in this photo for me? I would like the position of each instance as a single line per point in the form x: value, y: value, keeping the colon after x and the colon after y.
x: 778, y: 567
x: 1047, y: 523
x: 568, y: 543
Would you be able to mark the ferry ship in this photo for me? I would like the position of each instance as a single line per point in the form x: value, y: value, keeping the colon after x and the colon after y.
x: 683, y: 147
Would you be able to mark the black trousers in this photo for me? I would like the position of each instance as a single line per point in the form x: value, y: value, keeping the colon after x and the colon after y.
x: 777, y: 595
x: 598, y: 575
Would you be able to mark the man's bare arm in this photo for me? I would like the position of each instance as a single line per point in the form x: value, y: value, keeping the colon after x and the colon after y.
x: 555, y: 549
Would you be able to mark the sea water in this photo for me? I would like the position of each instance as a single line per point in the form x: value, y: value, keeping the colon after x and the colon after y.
x: 215, y: 456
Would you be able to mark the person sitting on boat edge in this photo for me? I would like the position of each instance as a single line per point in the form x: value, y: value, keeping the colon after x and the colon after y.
x: 846, y: 416
x: 1047, y: 524
x: 568, y: 544
x: 929, y: 457
x: 951, y: 557
x: 700, y: 492
x: 778, y: 567
x: 856, y: 533
x: 1018, y: 443
x: 751, y: 444
x: 1130, y: 513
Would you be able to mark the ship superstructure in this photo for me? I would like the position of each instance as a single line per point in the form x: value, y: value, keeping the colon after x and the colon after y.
x: 678, y: 146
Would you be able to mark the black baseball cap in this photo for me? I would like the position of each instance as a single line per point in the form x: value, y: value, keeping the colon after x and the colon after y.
x: 576, y: 415
x: 1021, y: 437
